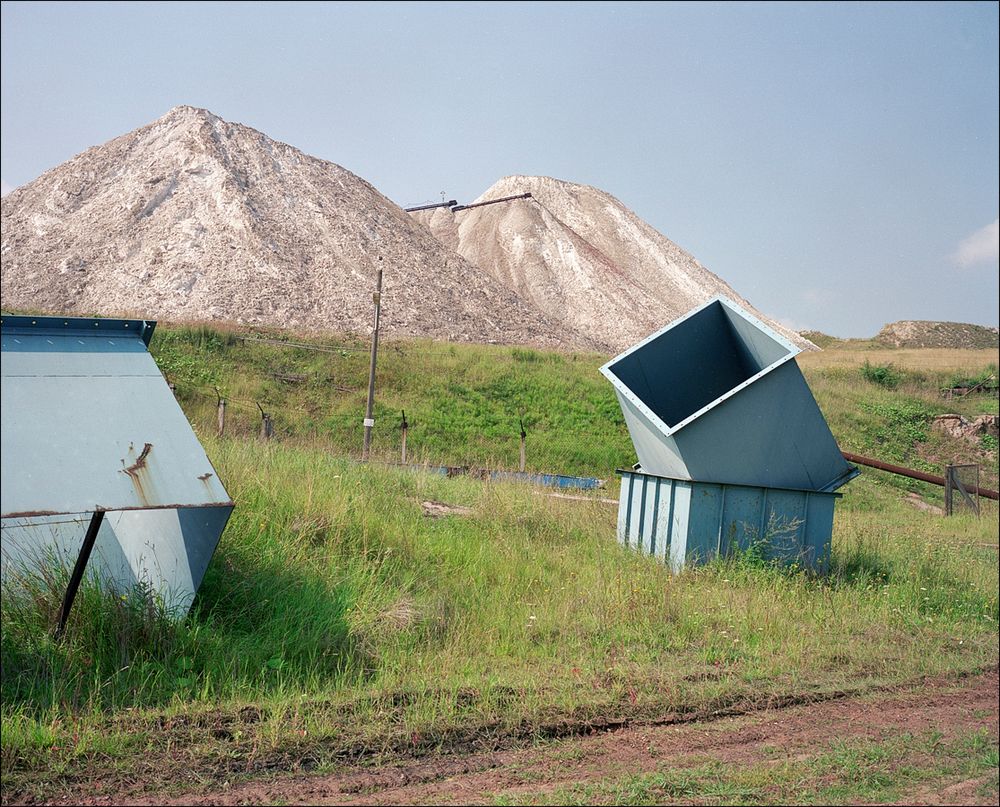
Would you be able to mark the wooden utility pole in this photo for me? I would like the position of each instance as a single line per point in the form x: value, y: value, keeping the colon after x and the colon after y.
x: 369, y: 420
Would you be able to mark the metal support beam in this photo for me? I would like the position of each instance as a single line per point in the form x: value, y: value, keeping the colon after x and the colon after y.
x: 81, y: 565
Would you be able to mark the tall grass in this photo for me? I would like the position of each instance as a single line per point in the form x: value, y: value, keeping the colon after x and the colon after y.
x: 348, y: 618
x: 330, y: 581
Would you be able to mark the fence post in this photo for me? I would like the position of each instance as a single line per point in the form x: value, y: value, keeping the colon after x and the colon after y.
x: 954, y: 483
x: 404, y: 426
x: 266, y: 424
x: 524, y: 436
x: 221, y: 406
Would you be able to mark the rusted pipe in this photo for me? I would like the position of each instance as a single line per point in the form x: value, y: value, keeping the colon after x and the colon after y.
x: 491, y: 202
x: 452, y: 203
x: 899, y: 469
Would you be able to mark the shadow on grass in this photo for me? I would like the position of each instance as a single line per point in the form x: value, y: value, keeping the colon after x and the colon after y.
x: 859, y: 567
x: 254, y: 626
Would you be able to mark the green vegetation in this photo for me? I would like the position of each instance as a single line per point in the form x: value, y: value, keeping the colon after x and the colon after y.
x: 464, y: 403
x: 986, y: 379
x: 883, y: 375
x: 894, y: 422
x: 338, y: 621
x: 863, y: 771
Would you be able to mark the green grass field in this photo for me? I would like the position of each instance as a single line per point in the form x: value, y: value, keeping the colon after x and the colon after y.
x: 339, y: 622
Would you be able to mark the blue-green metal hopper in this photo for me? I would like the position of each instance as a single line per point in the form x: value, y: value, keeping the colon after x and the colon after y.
x: 92, y: 434
x: 716, y: 396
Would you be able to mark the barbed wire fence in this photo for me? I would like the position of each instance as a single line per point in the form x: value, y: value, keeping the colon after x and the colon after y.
x: 435, y: 405
x: 447, y: 405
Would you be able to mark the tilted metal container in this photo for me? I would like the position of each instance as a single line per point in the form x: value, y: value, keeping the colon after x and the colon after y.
x: 716, y: 396
x: 687, y: 523
x: 90, y: 427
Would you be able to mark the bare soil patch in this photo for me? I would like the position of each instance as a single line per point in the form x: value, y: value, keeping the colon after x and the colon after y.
x: 780, y: 733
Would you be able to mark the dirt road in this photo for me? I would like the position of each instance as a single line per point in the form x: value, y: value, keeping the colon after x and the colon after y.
x: 918, y: 719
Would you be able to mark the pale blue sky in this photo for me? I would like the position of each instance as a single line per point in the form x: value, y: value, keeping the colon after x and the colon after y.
x: 836, y: 163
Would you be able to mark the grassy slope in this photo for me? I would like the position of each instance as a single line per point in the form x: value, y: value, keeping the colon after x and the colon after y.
x: 464, y: 403
x: 338, y: 620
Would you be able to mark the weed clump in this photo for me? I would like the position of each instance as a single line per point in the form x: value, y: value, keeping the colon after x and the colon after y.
x: 108, y: 632
x: 882, y: 375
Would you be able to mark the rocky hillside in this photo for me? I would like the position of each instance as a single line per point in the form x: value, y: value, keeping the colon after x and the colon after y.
x: 921, y: 333
x: 582, y: 257
x: 194, y: 218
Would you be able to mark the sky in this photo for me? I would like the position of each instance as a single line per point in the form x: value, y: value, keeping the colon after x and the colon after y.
x: 837, y: 164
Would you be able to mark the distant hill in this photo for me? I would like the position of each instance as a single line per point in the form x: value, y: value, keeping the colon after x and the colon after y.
x: 822, y: 340
x: 583, y: 258
x: 194, y: 218
x: 922, y: 333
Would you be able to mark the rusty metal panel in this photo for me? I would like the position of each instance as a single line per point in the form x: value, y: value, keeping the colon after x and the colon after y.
x: 89, y: 424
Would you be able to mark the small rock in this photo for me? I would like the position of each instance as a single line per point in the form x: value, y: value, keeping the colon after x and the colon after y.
x: 965, y: 429
x: 951, y: 424
x: 439, y: 509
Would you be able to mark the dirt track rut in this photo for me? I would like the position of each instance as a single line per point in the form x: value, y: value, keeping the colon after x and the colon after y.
x: 794, y: 732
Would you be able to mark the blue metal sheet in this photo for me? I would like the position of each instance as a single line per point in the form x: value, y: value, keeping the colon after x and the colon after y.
x: 90, y: 424
x: 546, y: 480
x: 688, y: 523
x: 717, y: 396
x: 77, y: 326
x: 78, y: 414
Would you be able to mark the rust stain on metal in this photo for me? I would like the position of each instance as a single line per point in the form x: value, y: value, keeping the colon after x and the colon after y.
x: 135, y: 470
x: 140, y: 463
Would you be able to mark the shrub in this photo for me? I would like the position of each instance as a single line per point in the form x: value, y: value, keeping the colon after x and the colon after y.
x: 882, y: 375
